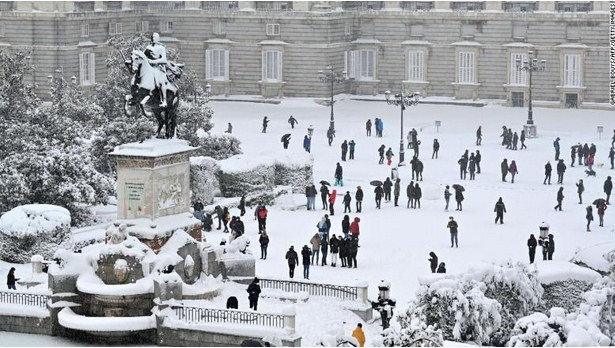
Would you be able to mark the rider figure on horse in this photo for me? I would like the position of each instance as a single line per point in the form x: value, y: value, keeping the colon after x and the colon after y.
x: 156, y: 53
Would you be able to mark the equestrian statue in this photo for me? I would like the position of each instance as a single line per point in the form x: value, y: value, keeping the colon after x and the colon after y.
x: 153, y: 87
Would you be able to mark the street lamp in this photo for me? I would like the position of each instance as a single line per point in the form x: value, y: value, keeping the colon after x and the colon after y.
x: 331, y: 76
x: 531, y: 64
x: 402, y: 101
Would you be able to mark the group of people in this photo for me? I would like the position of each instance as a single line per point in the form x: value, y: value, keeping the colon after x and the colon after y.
x: 510, y: 139
x: 379, y: 125
x: 470, y: 163
x: 348, y: 148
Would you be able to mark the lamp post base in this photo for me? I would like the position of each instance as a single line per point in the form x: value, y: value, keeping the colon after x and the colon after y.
x: 530, y: 130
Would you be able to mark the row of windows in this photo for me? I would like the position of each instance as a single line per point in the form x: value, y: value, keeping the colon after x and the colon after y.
x: 140, y: 27
x: 361, y: 65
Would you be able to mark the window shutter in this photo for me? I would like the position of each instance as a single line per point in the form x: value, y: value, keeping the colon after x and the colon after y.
x: 81, y: 68
x: 280, y: 66
x: 92, y: 68
x: 118, y: 28
x: 264, y: 66
x: 111, y: 28
x: 208, y: 65
x: 145, y: 26
x: 226, y: 65
x: 356, y: 67
x: 346, y: 65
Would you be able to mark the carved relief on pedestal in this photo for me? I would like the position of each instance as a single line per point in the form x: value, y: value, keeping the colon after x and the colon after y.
x: 170, y: 192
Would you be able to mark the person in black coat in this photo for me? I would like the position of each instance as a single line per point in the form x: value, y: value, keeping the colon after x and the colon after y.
x: 531, y: 245
x: 293, y: 260
x: 264, y: 242
x: 344, y: 150
x: 11, y: 280
x: 347, y: 200
x: 242, y: 205
x: 306, y: 255
x: 346, y: 225
x: 550, y: 247
x: 358, y: 197
x: 504, y: 169
x: 561, y: 168
x: 459, y: 198
x: 410, y: 194
x: 254, y: 291
x: 436, y: 148
x: 573, y: 155
x: 499, y: 210
x: 334, y: 247
x: 387, y: 189
x: 548, y: 170
x: 353, y: 248
x: 265, y: 124
x: 441, y: 268
x: 477, y: 159
x: 378, y: 192
x: 324, y: 195
x: 207, y: 222
x: 343, y: 248
x: 608, y: 187
x: 463, y: 167
x: 560, y: 198
x: 219, y: 215
x: 589, y: 215
x: 381, y: 150
x: 433, y: 262
x: 417, y: 196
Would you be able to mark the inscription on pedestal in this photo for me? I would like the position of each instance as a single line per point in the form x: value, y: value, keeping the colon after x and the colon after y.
x: 135, y: 194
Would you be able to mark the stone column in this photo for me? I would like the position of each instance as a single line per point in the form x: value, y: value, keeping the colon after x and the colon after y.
x: 37, y: 265
x: 362, y: 292
x: 442, y: 5
x: 289, y: 319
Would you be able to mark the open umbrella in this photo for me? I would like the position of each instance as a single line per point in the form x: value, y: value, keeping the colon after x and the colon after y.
x: 285, y: 137
x: 574, y: 146
x: 375, y: 183
x: 599, y: 201
x: 324, y: 182
x: 458, y: 187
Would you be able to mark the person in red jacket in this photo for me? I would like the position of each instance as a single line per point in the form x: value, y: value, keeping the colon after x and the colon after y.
x: 332, y: 197
x: 354, y: 228
x: 262, y: 219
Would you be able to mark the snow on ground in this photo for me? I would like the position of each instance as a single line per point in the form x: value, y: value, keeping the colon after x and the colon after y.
x: 395, y: 241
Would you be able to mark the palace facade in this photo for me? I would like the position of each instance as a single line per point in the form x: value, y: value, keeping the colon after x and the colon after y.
x: 456, y: 49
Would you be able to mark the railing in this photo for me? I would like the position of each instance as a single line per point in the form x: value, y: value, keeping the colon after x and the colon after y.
x: 339, y: 291
x: 20, y: 298
x: 199, y: 315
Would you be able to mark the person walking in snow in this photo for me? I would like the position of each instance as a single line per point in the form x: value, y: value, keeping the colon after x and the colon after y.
x: 292, y: 121
x: 264, y: 242
x: 499, y: 211
x: 477, y: 159
x: 310, y: 194
x: 334, y: 246
x: 315, y: 242
x: 219, y: 215
x: 479, y: 135
x: 417, y: 196
x: 512, y: 169
x: 339, y: 178
x: 447, y: 197
x: 589, y: 215
x: 386, y: 186
x: 396, y: 191
x: 265, y: 124
x: 560, y: 198
x: 359, y: 335
x: 262, y: 218
x: 504, y: 169
x: 580, y: 190
x: 453, y: 228
x: 550, y: 247
x: 561, y: 168
x: 324, y: 196
x: 346, y: 225
x: 306, y: 253
x: 472, y: 166
x: 573, y: 155
x: 458, y: 198
x: 11, y: 280
x: 608, y: 187
x: 580, y: 153
x: 515, y: 140
x: 522, y: 138
x: 389, y: 154
x: 611, y: 156
x: 293, y: 260
x: 285, y: 142
x: 358, y: 197
x: 410, y: 195
x: 332, y: 198
x: 433, y: 262
x: 344, y: 150
x: 347, y: 200
x: 254, y: 291
x: 352, y: 252
x: 343, y: 248
x: 381, y: 153
x: 351, y: 146
x: 307, y: 143
x: 226, y: 218
x: 436, y: 148
x: 368, y: 128
x: 330, y: 135
x: 324, y: 248
x: 601, y: 207
x: 556, y: 148
x: 548, y: 170
x: 378, y: 191
x: 531, y: 245
x: 463, y: 167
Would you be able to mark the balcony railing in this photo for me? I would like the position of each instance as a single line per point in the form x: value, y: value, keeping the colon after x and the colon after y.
x: 362, y: 5
x: 511, y: 6
x: 274, y: 5
x: 24, y: 299
x: 202, y: 315
x: 158, y: 5
x: 220, y: 5
x: 415, y: 6
x: 467, y: 6
x: 574, y: 6
x: 339, y: 291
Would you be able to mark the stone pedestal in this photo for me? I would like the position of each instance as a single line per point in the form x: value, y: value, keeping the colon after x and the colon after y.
x: 153, y: 178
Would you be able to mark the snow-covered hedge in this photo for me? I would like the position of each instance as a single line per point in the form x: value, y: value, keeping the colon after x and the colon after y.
x: 33, y: 229
x: 414, y: 333
x: 598, y: 305
x: 567, y: 294
x: 241, y: 175
x: 203, y: 180
x: 294, y: 169
x: 218, y: 146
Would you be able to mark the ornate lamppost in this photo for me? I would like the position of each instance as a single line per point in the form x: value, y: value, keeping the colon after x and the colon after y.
x: 331, y: 76
x: 530, y: 65
x: 402, y: 101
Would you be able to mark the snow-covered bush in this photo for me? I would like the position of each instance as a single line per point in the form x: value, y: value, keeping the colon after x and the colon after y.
x: 459, y: 308
x: 217, y: 146
x: 34, y: 229
x: 294, y: 169
x: 515, y: 286
x: 414, y: 333
x: 567, y: 294
x: 203, y: 180
x: 240, y: 175
x: 598, y: 305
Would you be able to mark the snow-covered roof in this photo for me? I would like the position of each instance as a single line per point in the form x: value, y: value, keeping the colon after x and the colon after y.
x: 31, y: 219
x: 68, y: 319
x: 273, y: 42
x: 153, y: 148
x: 572, y: 45
x: 158, y: 227
x: 553, y: 271
x: 367, y: 41
x: 218, y: 41
x: 518, y: 44
x: 466, y: 43
x: 177, y: 240
x: 416, y: 42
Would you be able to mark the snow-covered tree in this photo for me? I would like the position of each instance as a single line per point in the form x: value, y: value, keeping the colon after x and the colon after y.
x: 218, y: 146
x: 414, y: 333
x: 203, y: 181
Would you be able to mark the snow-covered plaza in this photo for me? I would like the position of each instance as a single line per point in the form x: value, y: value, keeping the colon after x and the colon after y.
x: 395, y: 242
